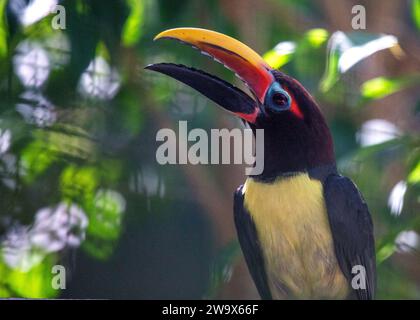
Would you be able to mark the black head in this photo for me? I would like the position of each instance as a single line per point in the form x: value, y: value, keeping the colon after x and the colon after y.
x: 296, y: 137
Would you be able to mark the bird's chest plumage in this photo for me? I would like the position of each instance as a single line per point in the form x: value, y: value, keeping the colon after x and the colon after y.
x: 294, y: 233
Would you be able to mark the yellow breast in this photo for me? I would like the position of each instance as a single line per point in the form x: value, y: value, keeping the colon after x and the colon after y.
x: 292, y: 225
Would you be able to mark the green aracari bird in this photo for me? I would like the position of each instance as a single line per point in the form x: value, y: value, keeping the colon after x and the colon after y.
x: 304, y: 229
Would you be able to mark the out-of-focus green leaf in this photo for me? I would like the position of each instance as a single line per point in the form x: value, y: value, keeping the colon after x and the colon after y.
x: 221, y: 270
x: 414, y: 176
x: 68, y: 142
x: 310, y: 48
x: 102, y: 51
x: 347, y: 49
x: 99, y: 248
x: 36, y: 158
x: 385, y: 252
x: 3, y: 31
x: 49, y: 146
x: 316, y: 37
x: 416, y: 12
x: 105, y: 216
x: 331, y: 73
x: 79, y: 183
x: 133, y: 25
x: 381, y: 87
x: 35, y: 283
x: 4, y: 293
x: 280, y: 55
x: 283, y: 52
x: 105, y: 221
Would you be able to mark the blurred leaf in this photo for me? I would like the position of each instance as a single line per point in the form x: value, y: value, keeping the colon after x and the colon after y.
x: 35, y: 283
x: 68, y: 140
x: 98, y: 248
x: 105, y: 221
x: 385, y: 252
x: 316, y: 37
x: 221, y: 270
x: 331, y: 75
x: 283, y: 52
x: 36, y: 158
x: 414, y: 176
x: 3, y: 30
x: 52, y: 145
x: 105, y: 215
x: 310, y: 48
x: 347, y: 49
x: 133, y: 25
x: 416, y: 12
x: 381, y: 87
x: 280, y: 55
x: 79, y: 183
x: 4, y: 293
x: 102, y: 51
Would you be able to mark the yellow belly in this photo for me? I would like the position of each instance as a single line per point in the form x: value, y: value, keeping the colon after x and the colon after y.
x: 292, y: 225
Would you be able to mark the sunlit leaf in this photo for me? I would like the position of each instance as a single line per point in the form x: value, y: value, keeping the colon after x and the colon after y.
x: 36, y: 158
x: 105, y: 216
x: 280, y: 55
x: 68, y: 141
x: 283, y: 52
x: 105, y: 221
x: 331, y: 75
x: 102, y: 51
x: 35, y: 283
x: 49, y: 146
x: 133, y: 25
x: 381, y: 87
x: 416, y: 12
x: 316, y: 37
x: 346, y: 50
x: 414, y: 176
x: 3, y: 31
x: 4, y: 293
x: 79, y: 183
x: 385, y: 252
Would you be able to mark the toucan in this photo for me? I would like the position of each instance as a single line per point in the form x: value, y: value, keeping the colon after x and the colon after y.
x: 305, y: 230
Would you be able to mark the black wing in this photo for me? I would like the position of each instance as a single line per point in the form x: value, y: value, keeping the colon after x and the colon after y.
x: 352, y: 230
x: 247, y: 235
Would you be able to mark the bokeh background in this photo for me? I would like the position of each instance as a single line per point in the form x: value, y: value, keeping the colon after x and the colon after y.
x: 79, y: 182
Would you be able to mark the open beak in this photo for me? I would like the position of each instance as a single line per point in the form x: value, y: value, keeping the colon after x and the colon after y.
x: 233, y: 54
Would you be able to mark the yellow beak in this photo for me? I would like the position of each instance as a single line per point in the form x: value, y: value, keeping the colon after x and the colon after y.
x: 235, y: 55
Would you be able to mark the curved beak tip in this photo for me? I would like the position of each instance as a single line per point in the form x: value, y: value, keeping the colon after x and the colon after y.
x: 235, y: 55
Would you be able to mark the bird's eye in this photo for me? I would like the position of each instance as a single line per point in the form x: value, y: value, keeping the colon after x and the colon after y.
x: 280, y: 99
x: 277, y: 98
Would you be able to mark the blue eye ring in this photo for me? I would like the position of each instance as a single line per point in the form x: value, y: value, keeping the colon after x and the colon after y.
x: 277, y: 99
